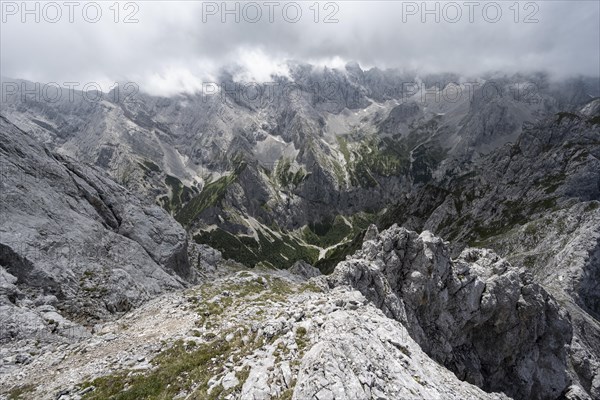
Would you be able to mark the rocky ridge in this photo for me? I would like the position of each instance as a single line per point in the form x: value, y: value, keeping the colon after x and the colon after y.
x: 537, y: 203
x: 379, y: 327
x: 477, y: 315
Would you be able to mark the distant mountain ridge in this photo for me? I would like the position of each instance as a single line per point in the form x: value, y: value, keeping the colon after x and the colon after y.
x: 271, y: 173
x: 108, y: 203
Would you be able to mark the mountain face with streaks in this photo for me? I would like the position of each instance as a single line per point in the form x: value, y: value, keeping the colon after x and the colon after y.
x: 153, y: 194
x: 288, y: 170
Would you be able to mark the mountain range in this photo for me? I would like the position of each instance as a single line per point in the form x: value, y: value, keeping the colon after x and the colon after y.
x: 113, y: 199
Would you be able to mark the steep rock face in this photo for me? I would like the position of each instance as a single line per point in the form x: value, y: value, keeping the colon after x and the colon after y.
x: 479, y: 316
x: 360, y: 354
x: 535, y: 202
x: 71, y: 233
x: 304, y: 270
x: 561, y: 250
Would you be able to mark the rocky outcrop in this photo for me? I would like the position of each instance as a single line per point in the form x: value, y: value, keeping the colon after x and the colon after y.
x: 304, y: 269
x: 482, y: 318
x: 248, y: 335
x: 360, y: 354
x: 70, y: 234
x: 536, y: 203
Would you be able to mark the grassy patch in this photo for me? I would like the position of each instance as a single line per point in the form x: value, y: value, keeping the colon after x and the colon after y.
x: 285, y: 177
x: 332, y: 231
x: 426, y: 160
x: 328, y: 232
x: 594, y: 205
x: 286, y: 394
x: 281, y: 252
x: 552, y: 182
x: 187, y: 367
x: 179, y: 195
x: 21, y: 392
x: 181, y: 368
x: 343, y: 144
x: 339, y: 253
x: 302, y: 340
x: 566, y: 115
x: 149, y: 166
x: 210, y: 195
x: 373, y: 157
x: 529, y: 261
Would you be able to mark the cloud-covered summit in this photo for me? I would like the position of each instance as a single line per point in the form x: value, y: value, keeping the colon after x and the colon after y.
x: 178, y: 47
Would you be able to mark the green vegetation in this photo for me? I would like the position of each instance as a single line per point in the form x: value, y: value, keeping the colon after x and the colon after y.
x: 187, y: 366
x: 339, y: 253
x: 529, y: 261
x: 210, y: 195
x: 567, y: 115
x: 552, y: 182
x: 327, y: 232
x: 21, y: 392
x: 343, y: 143
x: 180, y: 368
x: 302, y: 340
x: 513, y: 213
x: 286, y: 394
x: 593, y: 205
x: 372, y: 157
x: 280, y: 252
x: 332, y: 231
x: 149, y: 166
x: 180, y: 195
x: 431, y: 197
x: 426, y: 160
x: 260, y: 288
x: 287, y: 178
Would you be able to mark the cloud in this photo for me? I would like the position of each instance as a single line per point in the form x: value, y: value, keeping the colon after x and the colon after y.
x: 258, y: 66
x: 177, y: 47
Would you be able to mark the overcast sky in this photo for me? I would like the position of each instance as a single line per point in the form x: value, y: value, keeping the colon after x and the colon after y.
x: 176, y: 46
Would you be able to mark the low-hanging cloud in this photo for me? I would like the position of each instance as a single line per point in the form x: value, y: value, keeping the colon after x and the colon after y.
x: 176, y: 46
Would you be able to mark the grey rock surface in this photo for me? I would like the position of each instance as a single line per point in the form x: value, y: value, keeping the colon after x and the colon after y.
x: 302, y: 344
x: 304, y: 270
x: 71, y: 237
x: 537, y: 203
x: 482, y: 318
x: 516, y: 174
x: 346, y: 141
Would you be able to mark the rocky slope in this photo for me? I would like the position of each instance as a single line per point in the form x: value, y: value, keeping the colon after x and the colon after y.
x: 381, y: 326
x: 536, y: 202
x: 295, y: 181
x: 479, y: 316
x: 75, y: 247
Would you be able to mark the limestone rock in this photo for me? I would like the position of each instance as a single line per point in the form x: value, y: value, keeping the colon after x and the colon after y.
x: 482, y: 318
x: 72, y: 237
